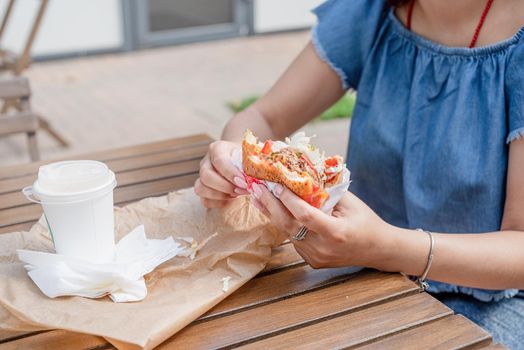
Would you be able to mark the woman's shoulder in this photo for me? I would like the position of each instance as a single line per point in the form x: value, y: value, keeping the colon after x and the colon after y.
x: 514, y: 81
x: 345, y: 32
x: 516, y: 55
x: 354, y: 11
x: 515, y: 62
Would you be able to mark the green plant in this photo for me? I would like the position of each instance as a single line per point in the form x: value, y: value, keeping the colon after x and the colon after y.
x: 343, y: 108
x: 240, y: 105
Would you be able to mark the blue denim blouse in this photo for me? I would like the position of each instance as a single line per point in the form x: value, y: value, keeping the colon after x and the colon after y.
x: 431, y: 127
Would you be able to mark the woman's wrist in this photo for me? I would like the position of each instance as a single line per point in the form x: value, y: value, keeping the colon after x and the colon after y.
x: 401, y: 250
x: 250, y: 118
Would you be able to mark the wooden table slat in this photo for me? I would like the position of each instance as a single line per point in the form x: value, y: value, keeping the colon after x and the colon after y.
x: 453, y: 332
x: 284, y: 256
x: 19, y: 215
x: 360, y: 327
x: 126, y: 194
x: 123, y: 152
x: 26, y: 226
x: 120, y: 165
x: 17, y: 199
x: 276, y: 288
x: 285, y: 284
x: 54, y: 340
x: 360, y: 292
x: 139, y: 191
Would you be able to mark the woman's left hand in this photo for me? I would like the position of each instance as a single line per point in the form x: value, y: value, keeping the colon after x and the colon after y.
x: 352, y: 235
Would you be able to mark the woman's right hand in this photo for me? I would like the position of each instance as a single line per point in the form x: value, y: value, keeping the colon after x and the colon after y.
x: 220, y: 181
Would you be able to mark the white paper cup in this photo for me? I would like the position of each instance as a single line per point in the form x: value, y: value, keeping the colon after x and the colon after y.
x: 77, y: 197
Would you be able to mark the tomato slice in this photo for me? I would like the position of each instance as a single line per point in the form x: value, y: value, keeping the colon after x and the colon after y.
x: 267, y: 147
x: 331, y: 162
x: 317, y: 199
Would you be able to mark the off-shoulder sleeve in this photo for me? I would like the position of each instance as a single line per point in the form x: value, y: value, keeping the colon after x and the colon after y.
x: 515, y: 93
x: 345, y: 33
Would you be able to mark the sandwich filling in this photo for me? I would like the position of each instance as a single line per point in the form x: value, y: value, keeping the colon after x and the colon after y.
x: 298, y: 161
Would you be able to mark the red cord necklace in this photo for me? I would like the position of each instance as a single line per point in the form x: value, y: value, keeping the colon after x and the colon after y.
x: 477, y: 30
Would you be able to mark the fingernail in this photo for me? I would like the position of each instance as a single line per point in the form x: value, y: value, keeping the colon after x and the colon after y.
x: 239, y: 182
x: 278, y: 190
x: 257, y: 191
x: 240, y: 191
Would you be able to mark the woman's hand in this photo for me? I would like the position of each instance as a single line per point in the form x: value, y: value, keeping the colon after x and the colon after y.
x: 219, y: 181
x: 352, y: 235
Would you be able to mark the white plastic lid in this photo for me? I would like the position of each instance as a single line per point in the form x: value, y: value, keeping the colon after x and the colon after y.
x: 79, y: 178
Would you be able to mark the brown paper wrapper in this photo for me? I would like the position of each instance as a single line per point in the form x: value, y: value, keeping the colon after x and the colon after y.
x: 179, y: 291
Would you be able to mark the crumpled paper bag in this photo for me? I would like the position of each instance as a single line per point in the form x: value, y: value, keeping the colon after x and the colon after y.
x: 180, y: 290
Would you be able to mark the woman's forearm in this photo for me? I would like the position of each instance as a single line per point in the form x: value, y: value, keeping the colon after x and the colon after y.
x: 251, y: 119
x: 490, y: 260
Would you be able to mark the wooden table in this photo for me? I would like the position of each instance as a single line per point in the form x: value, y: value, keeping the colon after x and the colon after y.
x: 288, y: 305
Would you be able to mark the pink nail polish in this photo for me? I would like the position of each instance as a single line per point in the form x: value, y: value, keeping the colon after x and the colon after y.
x: 239, y: 182
x: 240, y: 191
x: 257, y: 191
x: 278, y: 190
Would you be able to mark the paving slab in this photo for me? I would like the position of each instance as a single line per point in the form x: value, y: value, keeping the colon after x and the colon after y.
x: 122, y: 99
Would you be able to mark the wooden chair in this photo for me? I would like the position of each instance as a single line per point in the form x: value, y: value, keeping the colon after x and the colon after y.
x: 9, y: 60
x: 16, y: 64
x: 23, y: 120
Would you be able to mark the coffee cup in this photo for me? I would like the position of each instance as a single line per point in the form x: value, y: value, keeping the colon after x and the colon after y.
x: 77, y: 198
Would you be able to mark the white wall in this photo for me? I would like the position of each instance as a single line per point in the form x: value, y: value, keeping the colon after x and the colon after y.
x: 274, y: 15
x: 75, y: 26
x: 68, y: 26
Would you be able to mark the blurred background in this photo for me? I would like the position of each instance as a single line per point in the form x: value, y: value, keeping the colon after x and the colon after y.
x: 111, y: 73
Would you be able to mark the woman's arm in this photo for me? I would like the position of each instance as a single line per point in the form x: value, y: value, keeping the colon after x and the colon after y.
x: 355, y: 235
x: 305, y: 90
x: 489, y: 260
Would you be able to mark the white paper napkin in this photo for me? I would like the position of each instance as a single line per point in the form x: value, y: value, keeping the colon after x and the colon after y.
x: 135, y: 256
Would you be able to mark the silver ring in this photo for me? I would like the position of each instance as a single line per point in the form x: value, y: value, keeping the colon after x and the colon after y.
x: 301, y: 234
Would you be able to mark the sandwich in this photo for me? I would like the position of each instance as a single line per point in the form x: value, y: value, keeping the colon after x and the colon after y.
x: 295, y: 163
